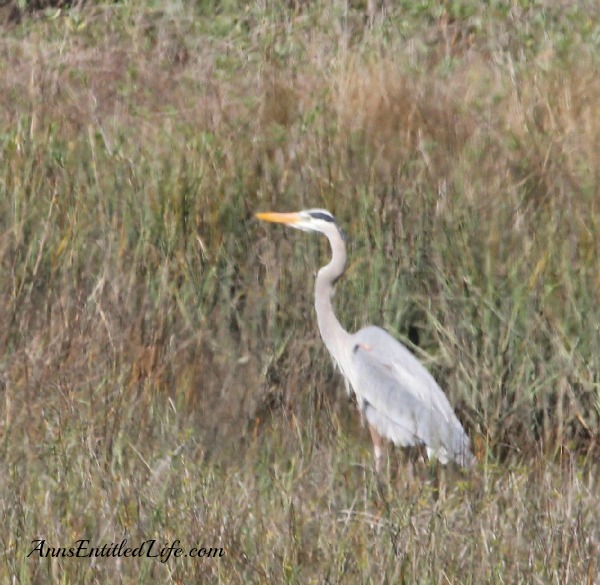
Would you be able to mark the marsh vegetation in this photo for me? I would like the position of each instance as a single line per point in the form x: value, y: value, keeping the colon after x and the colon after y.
x: 161, y: 373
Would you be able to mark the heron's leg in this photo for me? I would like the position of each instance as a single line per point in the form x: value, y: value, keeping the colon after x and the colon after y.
x: 377, y: 447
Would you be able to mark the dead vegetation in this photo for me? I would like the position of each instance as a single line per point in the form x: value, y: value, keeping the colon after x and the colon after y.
x: 160, y: 372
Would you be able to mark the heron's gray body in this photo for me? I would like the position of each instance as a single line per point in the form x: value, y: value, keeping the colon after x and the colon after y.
x: 396, y: 395
x: 408, y: 407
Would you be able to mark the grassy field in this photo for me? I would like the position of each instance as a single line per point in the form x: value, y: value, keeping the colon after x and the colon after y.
x: 161, y: 373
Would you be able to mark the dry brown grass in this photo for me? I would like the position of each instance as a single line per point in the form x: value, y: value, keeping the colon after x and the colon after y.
x: 413, y: 139
x: 161, y: 375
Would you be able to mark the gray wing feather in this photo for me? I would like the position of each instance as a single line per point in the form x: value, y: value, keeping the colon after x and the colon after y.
x: 401, y: 399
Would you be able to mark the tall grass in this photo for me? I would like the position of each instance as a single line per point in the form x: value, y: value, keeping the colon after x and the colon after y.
x: 160, y: 369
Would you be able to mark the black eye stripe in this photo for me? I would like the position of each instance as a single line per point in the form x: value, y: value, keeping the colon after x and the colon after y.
x: 323, y: 216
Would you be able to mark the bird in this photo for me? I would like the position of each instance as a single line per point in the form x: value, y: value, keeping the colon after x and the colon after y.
x: 395, y: 394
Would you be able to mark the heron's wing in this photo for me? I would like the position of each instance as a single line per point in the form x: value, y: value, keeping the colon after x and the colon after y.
x: 400, y: 397
x: 383, y: 351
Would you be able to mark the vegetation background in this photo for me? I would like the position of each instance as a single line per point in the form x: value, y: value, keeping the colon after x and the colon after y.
x: 161, y: 374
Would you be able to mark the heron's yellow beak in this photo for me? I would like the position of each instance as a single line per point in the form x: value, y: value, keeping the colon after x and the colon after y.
x: 278, y: 217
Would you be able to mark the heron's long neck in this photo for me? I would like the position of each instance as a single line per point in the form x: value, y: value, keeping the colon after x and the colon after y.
x: 329, y: 326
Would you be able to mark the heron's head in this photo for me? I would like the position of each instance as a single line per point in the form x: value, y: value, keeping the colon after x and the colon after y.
x: 309, y: 220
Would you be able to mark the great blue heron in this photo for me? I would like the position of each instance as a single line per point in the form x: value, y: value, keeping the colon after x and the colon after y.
x: 395, y: 394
